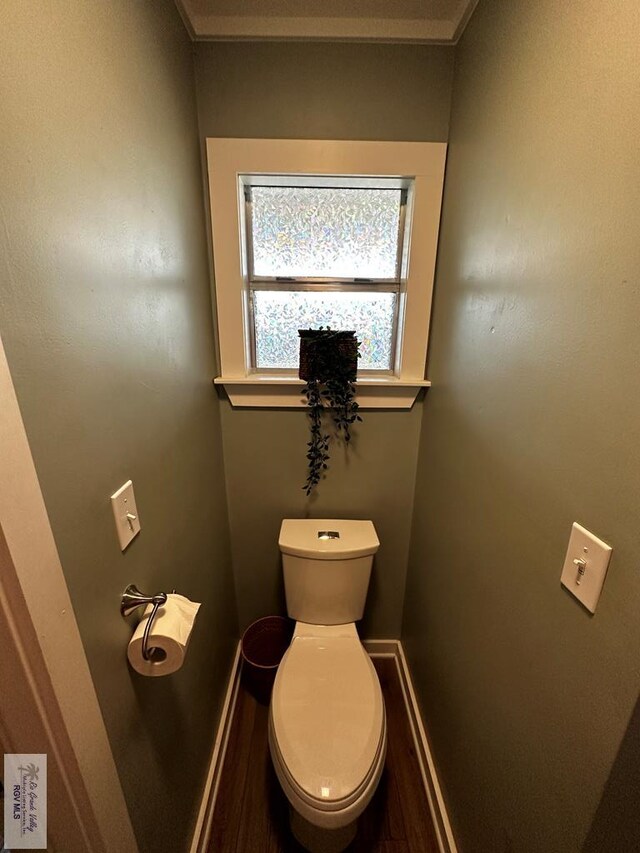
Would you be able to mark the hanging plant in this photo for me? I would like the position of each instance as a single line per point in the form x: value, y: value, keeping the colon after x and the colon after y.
x: 328, y: 365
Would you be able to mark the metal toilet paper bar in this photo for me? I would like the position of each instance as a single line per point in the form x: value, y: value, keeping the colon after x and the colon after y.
x: 132, y: 598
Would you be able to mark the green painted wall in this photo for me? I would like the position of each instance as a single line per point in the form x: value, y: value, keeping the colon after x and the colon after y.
x: 533, y: 423
x: 341, y: 91
x: 106, y: 319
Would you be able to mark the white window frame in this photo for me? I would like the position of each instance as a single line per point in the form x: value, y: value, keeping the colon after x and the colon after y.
x: 421, y: 162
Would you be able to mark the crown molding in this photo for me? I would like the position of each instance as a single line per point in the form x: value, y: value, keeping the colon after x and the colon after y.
x: 207, y: 26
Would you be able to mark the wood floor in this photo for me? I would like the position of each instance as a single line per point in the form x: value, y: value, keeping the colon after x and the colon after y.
x: 251, y: 811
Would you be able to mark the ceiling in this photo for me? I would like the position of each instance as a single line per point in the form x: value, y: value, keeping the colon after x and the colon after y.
x: 431, y: 21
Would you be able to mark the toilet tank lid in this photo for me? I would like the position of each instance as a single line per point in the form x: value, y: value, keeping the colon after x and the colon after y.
x: 328, y: 538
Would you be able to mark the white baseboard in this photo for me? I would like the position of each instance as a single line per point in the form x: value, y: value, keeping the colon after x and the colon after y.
x: 437, y: 807
x: 375, y: 648
x: 381, y: 648
x: 202, y: 831
x: 446, y: 840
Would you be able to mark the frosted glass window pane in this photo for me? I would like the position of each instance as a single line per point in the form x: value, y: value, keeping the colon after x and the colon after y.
x: 325, y: 232
x: 279, y: 314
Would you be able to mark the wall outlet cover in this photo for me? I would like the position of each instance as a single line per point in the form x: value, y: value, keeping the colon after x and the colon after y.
x: 125, y: 513
x: 585, y: 566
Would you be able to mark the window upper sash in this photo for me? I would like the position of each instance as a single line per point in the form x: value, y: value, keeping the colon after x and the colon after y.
x: 387, y: 214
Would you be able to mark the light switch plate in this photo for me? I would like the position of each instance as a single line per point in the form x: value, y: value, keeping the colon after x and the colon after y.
x: 125, y: 513
x: 585, y: 581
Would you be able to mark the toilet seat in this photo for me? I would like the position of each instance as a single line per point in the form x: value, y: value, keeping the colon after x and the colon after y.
x: 299, y: 797
x: 327, y: 719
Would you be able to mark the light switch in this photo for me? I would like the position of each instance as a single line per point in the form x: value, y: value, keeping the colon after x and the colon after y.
x: 585, y: 566
x: 125, y: 513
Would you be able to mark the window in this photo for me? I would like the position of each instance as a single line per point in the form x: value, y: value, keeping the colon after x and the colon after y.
x: 324, y: 255
x: 309, y: 233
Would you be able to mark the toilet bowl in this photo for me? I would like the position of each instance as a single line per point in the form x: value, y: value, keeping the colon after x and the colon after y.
x: 327, y: 722
x: 327, y: 725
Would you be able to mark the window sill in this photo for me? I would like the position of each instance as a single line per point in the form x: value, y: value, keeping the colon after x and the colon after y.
x: 284, y: 392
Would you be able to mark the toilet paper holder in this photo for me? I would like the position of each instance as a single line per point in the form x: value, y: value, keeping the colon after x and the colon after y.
x: 132, y: 598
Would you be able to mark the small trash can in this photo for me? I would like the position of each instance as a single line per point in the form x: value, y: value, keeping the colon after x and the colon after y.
x: 263, y: 646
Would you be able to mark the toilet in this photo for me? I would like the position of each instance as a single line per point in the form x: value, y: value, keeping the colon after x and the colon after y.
x: 327, y: 723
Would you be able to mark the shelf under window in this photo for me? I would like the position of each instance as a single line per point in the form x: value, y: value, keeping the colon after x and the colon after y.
x: 270, y: 391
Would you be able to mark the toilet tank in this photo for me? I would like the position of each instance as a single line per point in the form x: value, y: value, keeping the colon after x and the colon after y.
x: 327, y: 565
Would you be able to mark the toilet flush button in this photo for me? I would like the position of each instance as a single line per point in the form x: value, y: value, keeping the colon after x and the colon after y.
x: 125, y: 514
x: 585, y: 566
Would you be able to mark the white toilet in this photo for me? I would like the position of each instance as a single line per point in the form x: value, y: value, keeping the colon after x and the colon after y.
x: 327, y: 724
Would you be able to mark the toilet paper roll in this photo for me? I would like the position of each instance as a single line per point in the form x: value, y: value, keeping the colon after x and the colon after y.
x: 169, y: 636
